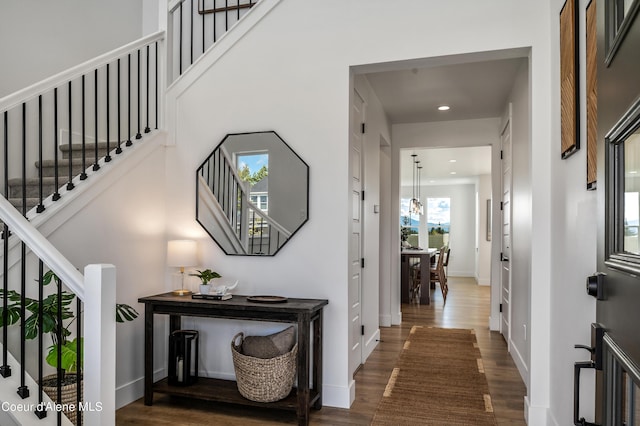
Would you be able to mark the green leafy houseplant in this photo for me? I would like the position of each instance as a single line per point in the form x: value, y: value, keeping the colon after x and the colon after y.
x: 51, y: 323
x: 206, y: 275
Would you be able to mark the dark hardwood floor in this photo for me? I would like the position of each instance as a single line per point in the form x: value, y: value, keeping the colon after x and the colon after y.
x: 467, y: 307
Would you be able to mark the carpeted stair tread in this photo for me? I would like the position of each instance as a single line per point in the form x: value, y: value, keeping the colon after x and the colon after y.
x: 89, y: 149
x: 32, y: 185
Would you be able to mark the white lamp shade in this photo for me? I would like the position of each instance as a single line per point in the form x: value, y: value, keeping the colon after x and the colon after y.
x: 181, y: 253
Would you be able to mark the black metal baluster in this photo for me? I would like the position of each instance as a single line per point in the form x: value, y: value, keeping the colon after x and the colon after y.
x: 23, y: 390
x: 139, y: 135
x: 129, y: 143
x: 223, y: 186
x: 58, y: 342
x: 241, y: 227
x: 252, y: 224
x: 40, y: 207
x: 202, y: 26
x: 156, y: 98
x: 96, y: 166
x: 83, y: 174
x: 40, y: 412
x: 70, y: 185
x: 56, y: 194
x: 238, y: 16
x: 79, y: 355
x: 191, y: 27
x: 5, y: 369
x: 226, y: 15
x: 107, y: 157
x: 180, y: 42
x: 213, y: 15
x: 119, y: 148
x: 147, y: 129
x: 24, y: 159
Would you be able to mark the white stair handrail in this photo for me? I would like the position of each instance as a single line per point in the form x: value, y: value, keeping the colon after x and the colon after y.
x: 31, y: 92
x: 42, y: 248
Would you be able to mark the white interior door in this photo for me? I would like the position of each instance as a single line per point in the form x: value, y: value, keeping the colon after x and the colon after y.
x: 505, y: 269
x: 355, y: 241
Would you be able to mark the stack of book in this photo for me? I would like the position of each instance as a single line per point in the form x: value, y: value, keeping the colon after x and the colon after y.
x: 214, y: 296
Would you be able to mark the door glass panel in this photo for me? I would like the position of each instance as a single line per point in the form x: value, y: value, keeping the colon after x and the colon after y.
x: 632, y: 194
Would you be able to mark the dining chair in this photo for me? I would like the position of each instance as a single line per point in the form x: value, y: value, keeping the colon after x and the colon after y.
x: 438, y: 275
x: 415, y: 286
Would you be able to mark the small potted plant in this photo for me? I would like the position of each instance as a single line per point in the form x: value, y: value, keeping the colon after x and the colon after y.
x: 205, y: 277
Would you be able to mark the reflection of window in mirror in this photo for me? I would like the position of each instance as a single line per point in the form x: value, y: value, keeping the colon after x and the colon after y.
x: 253, y: 168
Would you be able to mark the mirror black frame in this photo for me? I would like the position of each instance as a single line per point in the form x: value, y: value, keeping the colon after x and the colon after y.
x: 223, y: 206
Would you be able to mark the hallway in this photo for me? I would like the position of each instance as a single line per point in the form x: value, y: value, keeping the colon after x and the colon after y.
x: 467, y: 307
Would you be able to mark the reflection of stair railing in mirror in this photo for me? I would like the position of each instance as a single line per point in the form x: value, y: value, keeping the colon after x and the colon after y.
x: 225, y: 207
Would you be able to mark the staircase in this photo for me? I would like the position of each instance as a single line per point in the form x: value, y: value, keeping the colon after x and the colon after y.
x: 117, y: 96
x: 51, y: 174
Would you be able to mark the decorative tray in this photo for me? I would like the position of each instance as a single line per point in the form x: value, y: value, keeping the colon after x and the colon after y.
x: 267, y: 299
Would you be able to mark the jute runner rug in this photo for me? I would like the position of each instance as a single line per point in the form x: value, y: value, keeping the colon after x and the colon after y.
x: 438, y: 380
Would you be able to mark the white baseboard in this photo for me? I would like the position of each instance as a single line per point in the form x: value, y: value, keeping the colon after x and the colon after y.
x: 371, y: 344
x: 385, y: 320
x: 338, y: 396
x: 134, y: 390
x: 552, y: 420
x: 523, y: 369
x: 535, y: 415
x: 483, y: 281
x: 494, y: 323
x: 453, y: 273
x: 396, y: 319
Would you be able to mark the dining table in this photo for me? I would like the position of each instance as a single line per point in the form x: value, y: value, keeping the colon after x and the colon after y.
x: 409, y: 258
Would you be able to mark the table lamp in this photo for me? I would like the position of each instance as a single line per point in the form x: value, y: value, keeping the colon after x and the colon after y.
x: 181, y: 254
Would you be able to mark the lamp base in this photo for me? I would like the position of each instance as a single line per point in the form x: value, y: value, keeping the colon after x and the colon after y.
x: 182, y: 292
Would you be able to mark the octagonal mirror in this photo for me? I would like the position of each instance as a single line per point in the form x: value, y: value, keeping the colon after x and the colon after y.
x: 252, y: 193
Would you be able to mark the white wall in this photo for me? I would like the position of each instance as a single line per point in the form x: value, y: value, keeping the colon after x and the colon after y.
x: 573, y: 252
x: 305, y: 98
x: 42, y: 38
x: 483, y: 265
x: 120, y: 220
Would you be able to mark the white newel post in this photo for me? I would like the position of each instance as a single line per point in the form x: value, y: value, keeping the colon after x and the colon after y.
x: 100, y: 345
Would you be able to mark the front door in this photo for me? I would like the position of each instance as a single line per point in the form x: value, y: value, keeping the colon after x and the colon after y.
x: 618, y: 307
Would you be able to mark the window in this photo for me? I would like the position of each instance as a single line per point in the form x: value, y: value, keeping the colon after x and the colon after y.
x: 623, y: 173
x: 409, y: 223
x: 438, y: 221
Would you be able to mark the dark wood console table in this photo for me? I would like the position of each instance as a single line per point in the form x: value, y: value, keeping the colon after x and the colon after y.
x: 303, y: 312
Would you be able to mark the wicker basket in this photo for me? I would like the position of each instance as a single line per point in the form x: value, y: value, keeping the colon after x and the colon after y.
x: 68, y: 392
x: 263, y: 380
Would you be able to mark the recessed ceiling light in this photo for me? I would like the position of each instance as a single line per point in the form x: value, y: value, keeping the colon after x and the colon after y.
x: 432, y: 181
x: 633, y: 172
x: 443, y: 108
x: 452, y: 161
x: 452, y: 173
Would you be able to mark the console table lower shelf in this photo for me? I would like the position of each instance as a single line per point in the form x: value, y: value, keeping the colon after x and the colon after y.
x: 226, y: 391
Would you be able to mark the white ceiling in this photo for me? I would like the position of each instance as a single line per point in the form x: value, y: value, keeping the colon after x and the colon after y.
x: 437, y: 166
x: 472, y: 89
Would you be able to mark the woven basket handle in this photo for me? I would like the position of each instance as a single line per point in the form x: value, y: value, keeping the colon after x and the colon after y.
x: 235, y: 338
